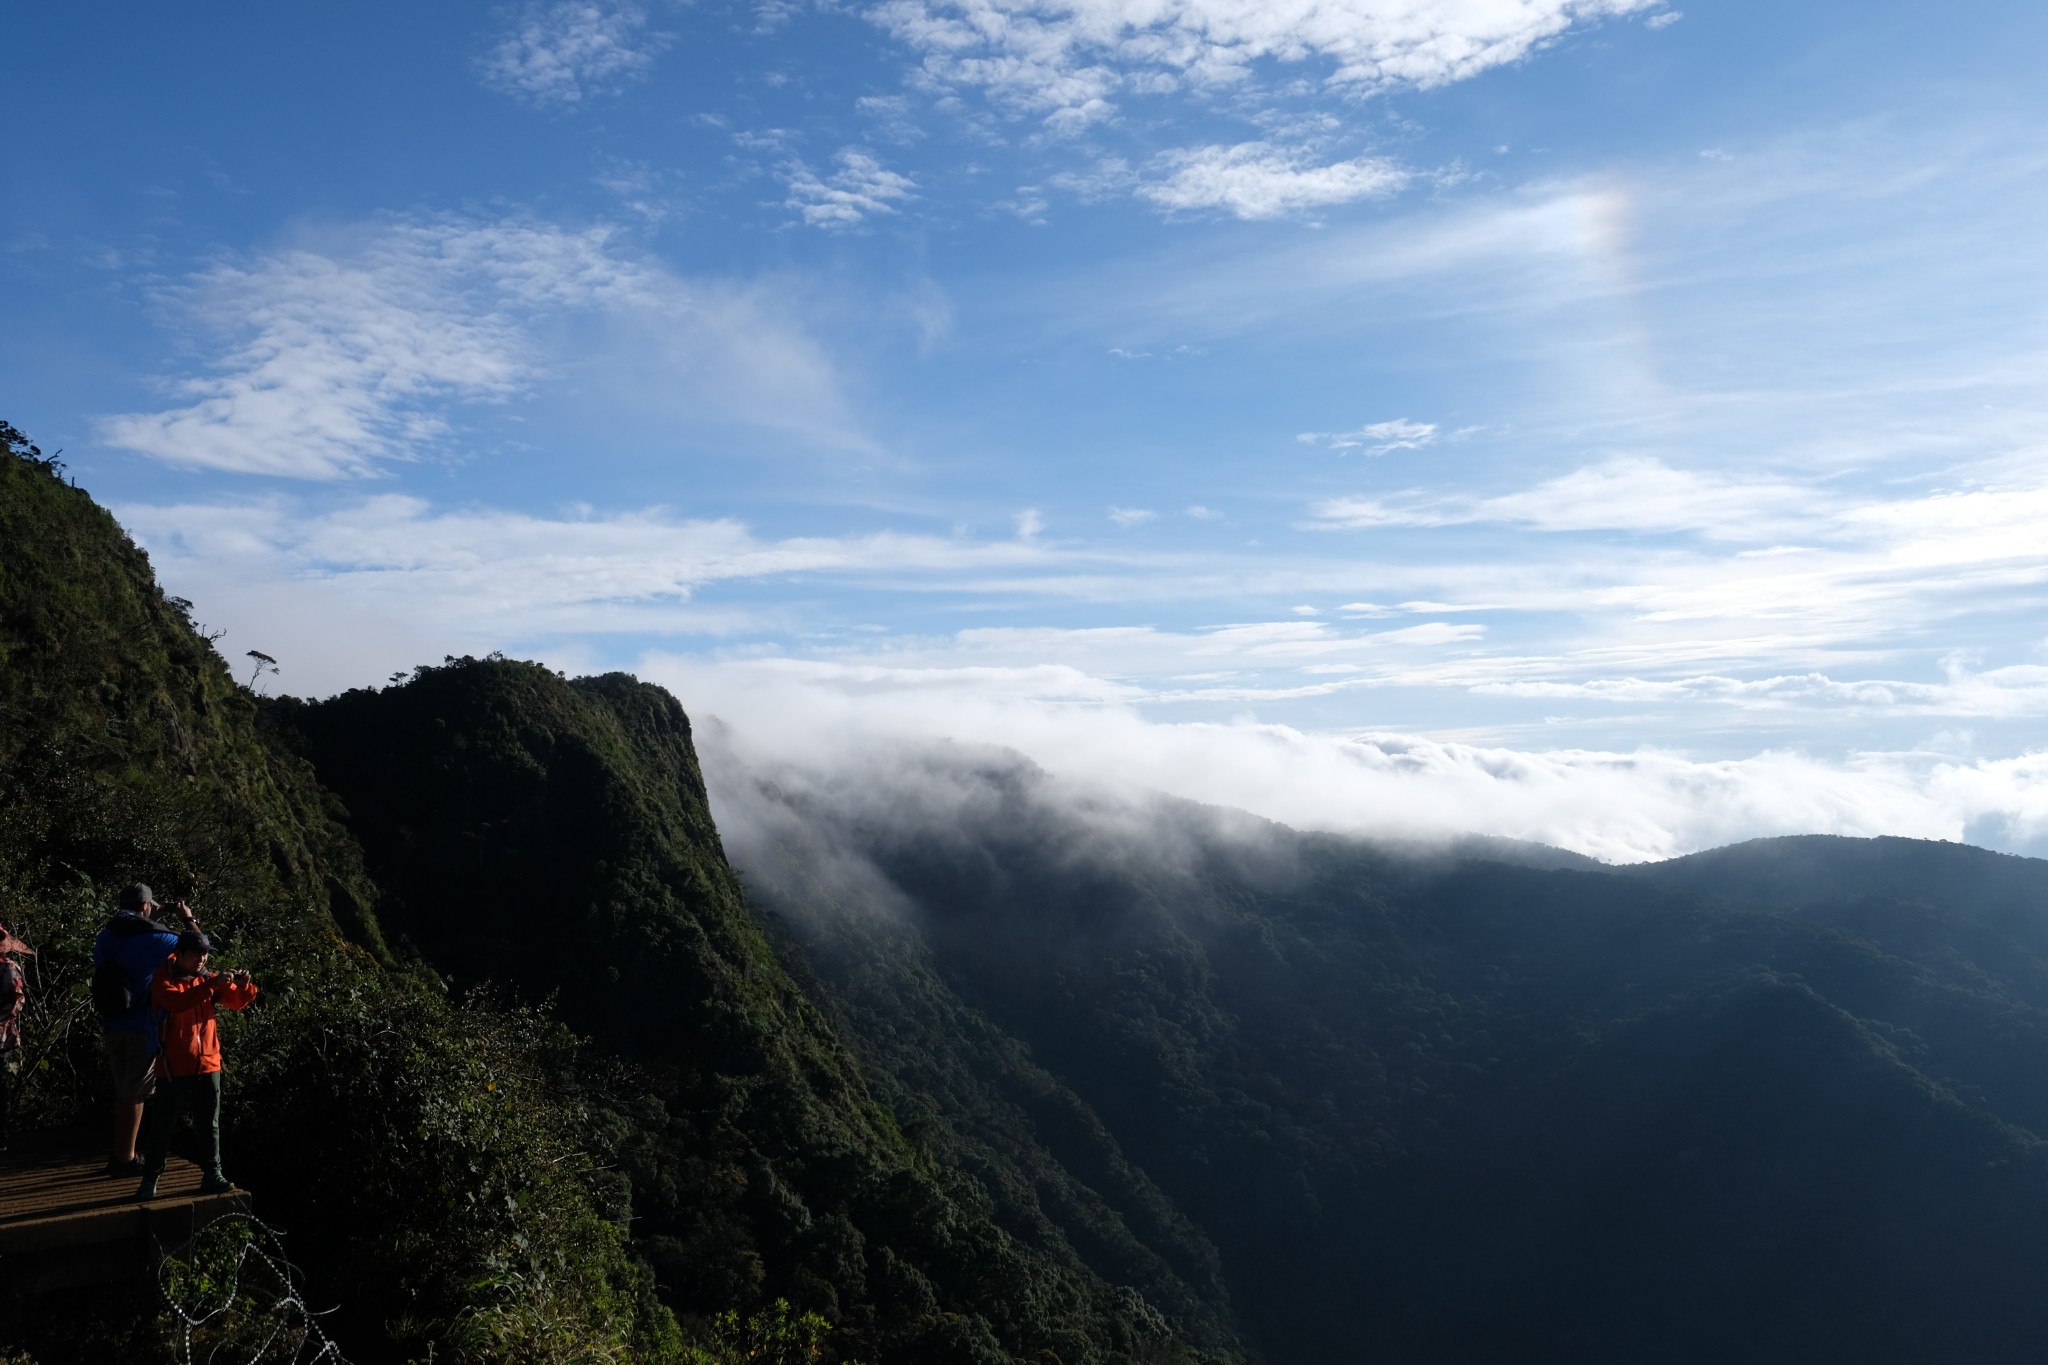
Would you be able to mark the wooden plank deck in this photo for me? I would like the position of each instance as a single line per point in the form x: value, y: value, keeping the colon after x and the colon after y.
x: 64, y: 1221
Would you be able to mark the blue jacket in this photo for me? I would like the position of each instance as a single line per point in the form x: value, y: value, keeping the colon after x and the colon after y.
x: 140, y: 953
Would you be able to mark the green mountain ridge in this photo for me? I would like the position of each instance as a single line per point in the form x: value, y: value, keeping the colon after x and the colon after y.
x: 430, y: 1158
x: 1434, y: 1107
x: 555, y: 836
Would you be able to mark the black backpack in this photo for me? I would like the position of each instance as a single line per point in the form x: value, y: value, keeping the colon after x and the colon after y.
x: 112, y: 995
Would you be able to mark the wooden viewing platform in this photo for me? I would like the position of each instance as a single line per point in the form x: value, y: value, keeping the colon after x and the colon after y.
x: 64, y: 1221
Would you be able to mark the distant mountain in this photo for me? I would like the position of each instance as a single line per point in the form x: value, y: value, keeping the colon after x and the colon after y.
x: 1422, y: 1105
x: 1994, y: 892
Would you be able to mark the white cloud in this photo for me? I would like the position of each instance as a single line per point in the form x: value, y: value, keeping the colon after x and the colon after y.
x: 1883, y: 568
x: 348, y: 354
x: 558, y: 55
x: 894, y: 115
x: 772, y: 15
x: 1132, y: 516
x: 1375, y: 438
x: 1029, y: 523
x: 1648, y: 495
x: 764, y: 139
x: 345, y: 349
x: 1028, y: 205
x: 2020, y: 690
x: 861, y: 188
x: 1663, y: 20
x: 1432, y: 633
x: 645, y: 191
x: 1621, y: 806
x: 1260, y: 180
x: 1256, y: 660
x: 1105, y: 178
x: 395, y: 576
x: 1070, y: 61
x: 1423, y: 605
x: 1201, y: 513
x: 1629, y: 494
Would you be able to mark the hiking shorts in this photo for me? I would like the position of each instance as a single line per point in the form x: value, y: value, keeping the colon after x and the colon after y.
x: 131, y: 1064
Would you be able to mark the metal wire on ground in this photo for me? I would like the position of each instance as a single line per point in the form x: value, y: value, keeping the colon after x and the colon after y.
x: 236, y: 1299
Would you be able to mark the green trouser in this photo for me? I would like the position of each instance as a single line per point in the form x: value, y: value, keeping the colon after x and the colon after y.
x: 175, y: 1096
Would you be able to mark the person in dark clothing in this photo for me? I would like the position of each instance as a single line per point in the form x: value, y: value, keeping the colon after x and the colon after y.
x: 182, y: 997
x: 13, y: 994
x: 136, y: 944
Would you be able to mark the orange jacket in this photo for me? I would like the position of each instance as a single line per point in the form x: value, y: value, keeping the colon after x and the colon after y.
x: 185, y: 1018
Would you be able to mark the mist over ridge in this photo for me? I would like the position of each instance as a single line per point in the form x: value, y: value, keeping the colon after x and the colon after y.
x: 1617, y: 807
x: 1452, y: 1098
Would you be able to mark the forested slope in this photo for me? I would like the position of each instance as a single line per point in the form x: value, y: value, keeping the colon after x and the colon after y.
x: 1430, y: 1107
x: 454, y: 1168
x: 555, y: 835
x: 433, y: 1163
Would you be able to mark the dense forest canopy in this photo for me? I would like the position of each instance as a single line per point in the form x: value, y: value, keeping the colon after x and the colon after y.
x: 955, y: 1060
x: 1781, y: 1101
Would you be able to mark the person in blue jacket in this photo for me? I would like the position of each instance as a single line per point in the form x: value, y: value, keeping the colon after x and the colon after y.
x: 135, y: 945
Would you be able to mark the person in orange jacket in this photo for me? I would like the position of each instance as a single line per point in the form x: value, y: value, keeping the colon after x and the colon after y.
x: 183, y: 995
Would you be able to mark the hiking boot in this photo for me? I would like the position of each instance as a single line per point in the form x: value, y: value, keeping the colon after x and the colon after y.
x: 146, y: 1190
x: 216, y: 1184
x: 132, y: 1166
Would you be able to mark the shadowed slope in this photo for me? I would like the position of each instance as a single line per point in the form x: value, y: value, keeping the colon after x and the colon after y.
x: 1429, y: 1107
x: 555, y: 835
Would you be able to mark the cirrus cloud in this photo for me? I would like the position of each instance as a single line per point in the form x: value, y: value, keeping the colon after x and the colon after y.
x: 1628, y: 494
x: 345, y: 355
x: 1375, y: 438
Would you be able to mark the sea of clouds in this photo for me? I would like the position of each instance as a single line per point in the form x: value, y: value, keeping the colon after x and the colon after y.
x: 1619, y: 807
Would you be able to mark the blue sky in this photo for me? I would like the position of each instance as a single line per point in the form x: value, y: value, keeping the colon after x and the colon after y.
x: 1589, y: 420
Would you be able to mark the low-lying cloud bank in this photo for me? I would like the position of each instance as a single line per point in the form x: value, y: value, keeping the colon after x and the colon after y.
x: 1619, y: 807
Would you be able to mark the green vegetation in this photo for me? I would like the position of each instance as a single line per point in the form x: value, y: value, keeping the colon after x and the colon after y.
x: 1426, y: 1106
x: 555, y: 836
x: 431, y: 1159
x: 774, y: 1336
